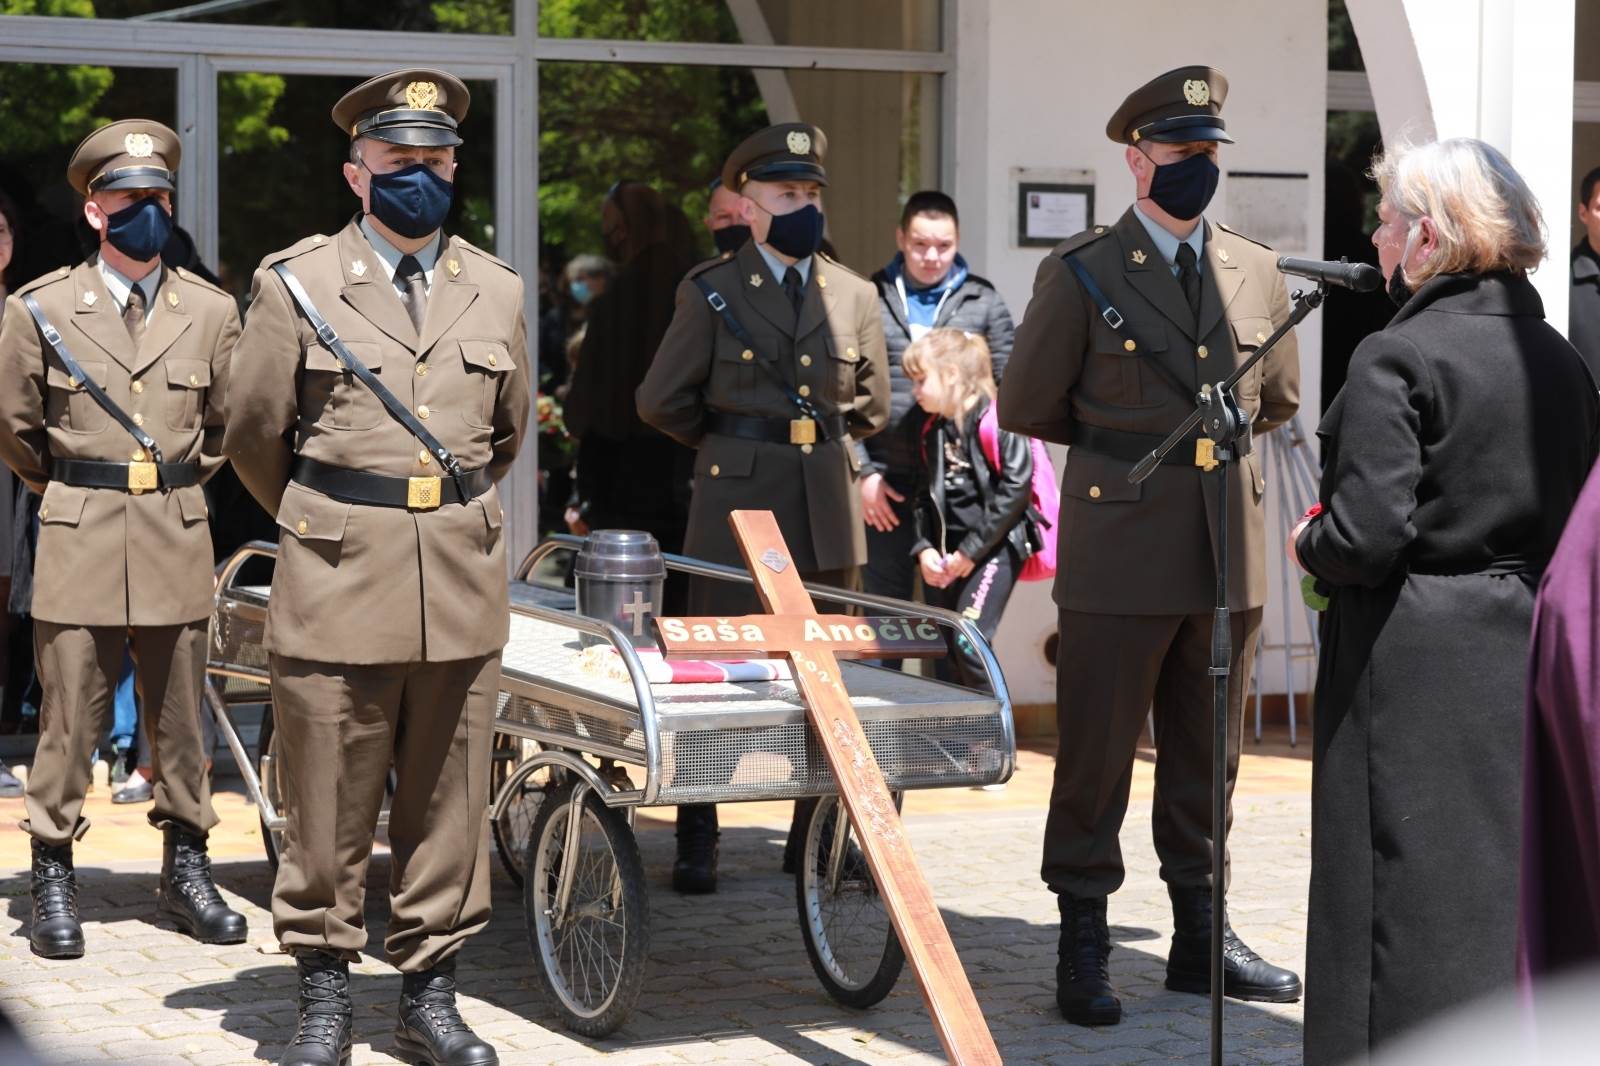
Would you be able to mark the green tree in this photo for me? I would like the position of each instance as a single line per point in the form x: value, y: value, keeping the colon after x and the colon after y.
x: 43, y: 105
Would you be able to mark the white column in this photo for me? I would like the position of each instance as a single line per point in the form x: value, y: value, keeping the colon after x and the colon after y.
x: 1498, y: 70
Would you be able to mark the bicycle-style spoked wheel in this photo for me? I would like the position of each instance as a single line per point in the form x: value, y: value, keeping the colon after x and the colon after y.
x: 849, y: 938
x: 517, y: 790
x: 588, y: 920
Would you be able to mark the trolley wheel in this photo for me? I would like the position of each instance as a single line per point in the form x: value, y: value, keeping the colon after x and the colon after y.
x: 517, y: 790
x: 849, y: 937
x: 271, y: 787
x: 591, y: 956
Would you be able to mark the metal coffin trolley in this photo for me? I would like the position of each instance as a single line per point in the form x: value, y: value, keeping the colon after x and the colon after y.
x: 577, y: 749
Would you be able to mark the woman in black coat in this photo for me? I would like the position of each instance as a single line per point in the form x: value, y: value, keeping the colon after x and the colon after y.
x: 1452, y: 457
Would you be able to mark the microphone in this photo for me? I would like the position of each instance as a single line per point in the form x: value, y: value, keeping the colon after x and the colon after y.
x: 1362, y: 277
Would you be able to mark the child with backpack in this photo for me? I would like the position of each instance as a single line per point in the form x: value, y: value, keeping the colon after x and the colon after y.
x: 979, y: 523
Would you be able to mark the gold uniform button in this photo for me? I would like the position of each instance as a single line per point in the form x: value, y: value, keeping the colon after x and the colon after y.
x: 715, y: 469
x: 805, y: 390
x: 422, y: 370
x: 194, y: 381
x: 138, y: 455
x: 422, y: 411
x: 302, y: 526
x: 424, y: 458
x: 1260, y: 337
x: 849, y: 353
x: 747, y: 355
x: 138, y: 387
x: 44, y: 512
x: 491, y: 359
x: 138, y: 419
x: 805, y: 449
x: 805, y: 360
x: 1094, y: 492
x: 1129, y: 346
x: 1201, y: 351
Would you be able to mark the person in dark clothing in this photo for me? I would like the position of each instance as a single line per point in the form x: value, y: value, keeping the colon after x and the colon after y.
x: 927, y: 285
x: 1583, y: 313
x: 963, y: 501
x: 629, y: 475
x: 1452, y: 458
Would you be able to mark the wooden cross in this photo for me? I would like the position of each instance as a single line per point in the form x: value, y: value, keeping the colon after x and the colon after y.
x: 791, y: 631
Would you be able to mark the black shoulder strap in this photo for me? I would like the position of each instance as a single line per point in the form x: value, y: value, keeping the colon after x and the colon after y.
x: 325, y: 333
x: 53, y: 336
x: 729, y: 319
x: 1115, y: 320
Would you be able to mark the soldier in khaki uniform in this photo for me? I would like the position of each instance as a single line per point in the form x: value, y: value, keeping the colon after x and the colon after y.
x: 389, y: 601
x: 773, y: 412
x: 1127, y: 323
x: 124, y: 546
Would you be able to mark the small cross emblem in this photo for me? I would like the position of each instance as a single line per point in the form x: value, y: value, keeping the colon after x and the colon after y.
x: 637, y: 610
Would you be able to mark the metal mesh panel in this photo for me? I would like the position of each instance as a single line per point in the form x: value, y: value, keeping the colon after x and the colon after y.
x: 774, y: 762
x: 238, y: 636
x: 580, y: 725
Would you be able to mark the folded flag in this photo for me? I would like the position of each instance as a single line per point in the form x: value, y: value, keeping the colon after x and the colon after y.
x: 603, y: 660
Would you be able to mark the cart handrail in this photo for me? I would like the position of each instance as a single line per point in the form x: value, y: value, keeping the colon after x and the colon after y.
x: 229, y: 568
x: 700, y: 568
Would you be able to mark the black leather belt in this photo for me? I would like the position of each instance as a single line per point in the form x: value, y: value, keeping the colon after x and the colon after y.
x: 777, y: 430
x: 129, y: 477
x: 1131, y: 447
x: 384, y: 490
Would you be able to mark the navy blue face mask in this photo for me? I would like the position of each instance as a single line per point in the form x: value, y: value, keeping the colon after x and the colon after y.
x: 730, y: 238
x: 412, y: 202
x: 140, y: 230
x: 1183, y: 189
x: 797, y: 234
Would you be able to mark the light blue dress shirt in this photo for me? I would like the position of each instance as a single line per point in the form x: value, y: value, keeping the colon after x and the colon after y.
x: 779, y: 267
x: 1167, y: 244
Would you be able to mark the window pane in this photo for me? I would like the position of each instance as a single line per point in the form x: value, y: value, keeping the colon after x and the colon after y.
x: 45, y: 110
x: 422, y: 16
x: 280, y: 176
x: 911, y: 25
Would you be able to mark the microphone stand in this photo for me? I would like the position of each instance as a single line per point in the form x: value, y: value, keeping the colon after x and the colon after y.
x: 1229, y: 429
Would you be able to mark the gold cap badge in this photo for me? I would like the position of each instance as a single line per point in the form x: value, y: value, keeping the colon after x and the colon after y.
x: 799, y: 142
x: 421, y: 95
x: 1197, y: 93
x: 139, y: 145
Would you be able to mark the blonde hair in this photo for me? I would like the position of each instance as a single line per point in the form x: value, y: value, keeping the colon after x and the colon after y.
x: 962, y: 357
x: 1486, y: 216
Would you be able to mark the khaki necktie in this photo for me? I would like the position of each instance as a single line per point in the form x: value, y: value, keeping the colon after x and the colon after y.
x: 133, y: 315
x: 413, y: 285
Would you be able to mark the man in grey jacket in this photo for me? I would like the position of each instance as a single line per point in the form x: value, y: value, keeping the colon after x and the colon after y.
x: 927, y: 285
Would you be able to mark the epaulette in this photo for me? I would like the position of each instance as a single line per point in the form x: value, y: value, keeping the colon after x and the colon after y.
x: 59, y: 274
x: 831, y: 261
x: 195, y: 279
x: 708, y: 264
x: 481, y: 254
x: 1080, y: 240
x: 301, y: 247
x: 1243, y: 236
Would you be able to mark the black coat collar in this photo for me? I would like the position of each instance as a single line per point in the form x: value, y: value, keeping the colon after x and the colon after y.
x: 1502, y: 293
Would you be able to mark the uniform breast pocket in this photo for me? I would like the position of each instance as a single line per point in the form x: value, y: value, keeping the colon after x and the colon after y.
x: 187, y: 382
x: 486, y: 362
x: 844, y: 360
x: 734, y: 371
x: 1118, y: 371
x: 338, y: 397
x: 1250, y: 333
x: 68, y: 404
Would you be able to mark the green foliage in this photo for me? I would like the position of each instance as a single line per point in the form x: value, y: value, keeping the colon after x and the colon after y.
x: 44, y: 105
x: 1344, y: 51
x: 637, y: 20
x: 472, y: 16
x: 244, y: 112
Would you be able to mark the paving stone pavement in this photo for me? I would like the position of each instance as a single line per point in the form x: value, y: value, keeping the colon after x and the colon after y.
x: 728, y: 978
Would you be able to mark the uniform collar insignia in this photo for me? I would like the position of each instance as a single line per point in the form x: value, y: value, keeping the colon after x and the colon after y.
x: 359, y: 268
x: 755, y: 281
x: 1222, y: 254
x: 1139, y: 256
x: 454, y: 266
x: 89, y: 298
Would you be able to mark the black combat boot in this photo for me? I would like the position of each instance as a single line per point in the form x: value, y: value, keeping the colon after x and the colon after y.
x: 1245, y: 975
x: 55, y: 933
x: 430, y: 1030
x: 1083, y: 982
x: 695, y: 872
x: 189, y: 896
x: 323, y: 1036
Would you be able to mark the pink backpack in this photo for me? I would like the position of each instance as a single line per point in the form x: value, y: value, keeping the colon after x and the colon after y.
x: 1044, y: 509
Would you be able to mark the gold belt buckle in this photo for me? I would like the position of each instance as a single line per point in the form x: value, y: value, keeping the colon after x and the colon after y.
x: 802, y: 431
x: 143, y: 477
x: 1205, y: 454
x: 423, y: 493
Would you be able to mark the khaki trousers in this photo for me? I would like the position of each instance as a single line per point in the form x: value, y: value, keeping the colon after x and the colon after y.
x: 78, y: 670
x: 1111, y: 671
x: 339, y: 730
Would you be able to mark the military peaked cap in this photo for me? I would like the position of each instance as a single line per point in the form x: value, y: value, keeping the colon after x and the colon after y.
x: 420, y: 107
x: 135, y: 153
x: 791, y: 151
x: 1180, y: 105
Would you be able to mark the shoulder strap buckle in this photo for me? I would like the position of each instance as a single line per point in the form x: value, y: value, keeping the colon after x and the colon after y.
x: 1112, y: 316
